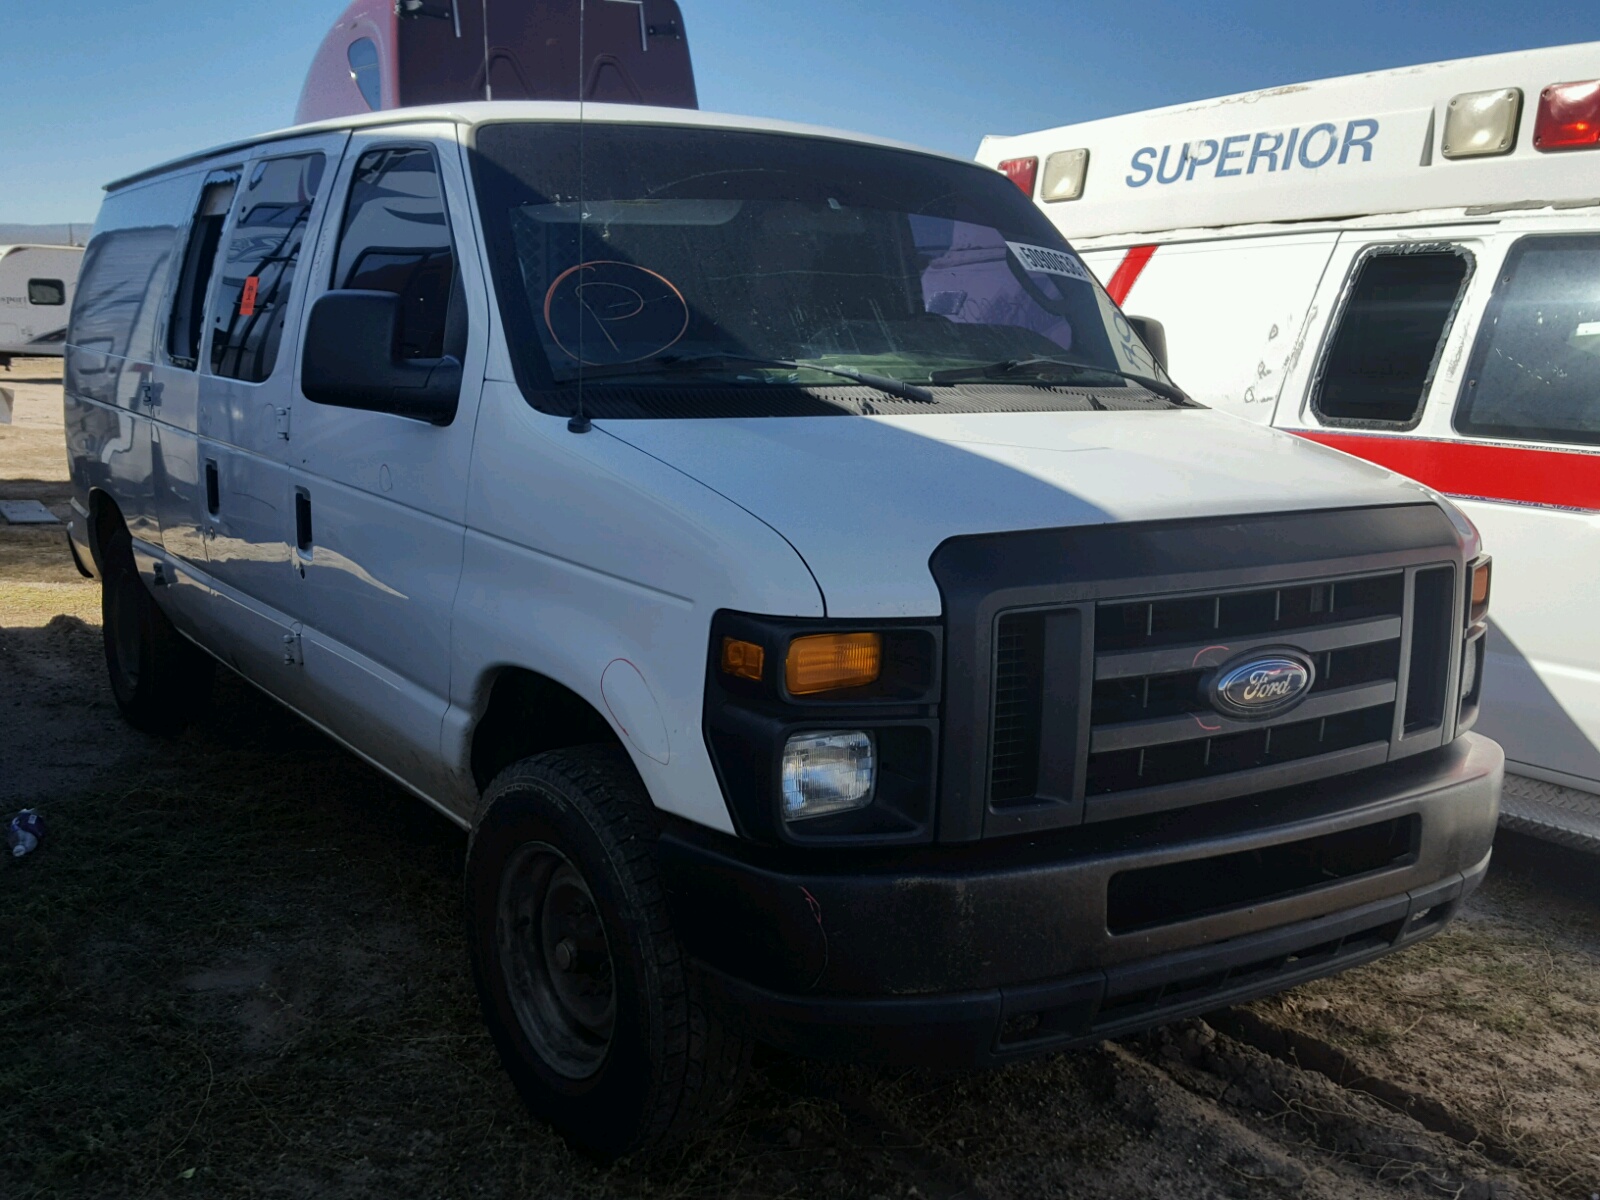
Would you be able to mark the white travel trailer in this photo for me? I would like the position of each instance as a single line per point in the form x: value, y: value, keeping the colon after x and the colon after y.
x: 1404, y: 266
x: 36, y: 286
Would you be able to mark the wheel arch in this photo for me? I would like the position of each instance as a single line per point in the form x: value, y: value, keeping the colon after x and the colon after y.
x: 105, y: 520
x: 527, y: 713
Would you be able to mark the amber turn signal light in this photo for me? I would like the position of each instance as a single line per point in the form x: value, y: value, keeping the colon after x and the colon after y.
x: 742, y: 660
x: 830, y: 662
x: 1479, y: 608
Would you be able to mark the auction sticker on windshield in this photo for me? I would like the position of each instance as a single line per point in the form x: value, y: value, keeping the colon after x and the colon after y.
x: 1044, y: 261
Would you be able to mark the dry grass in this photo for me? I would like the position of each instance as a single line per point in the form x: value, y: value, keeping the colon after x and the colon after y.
x: 1498, y: 1017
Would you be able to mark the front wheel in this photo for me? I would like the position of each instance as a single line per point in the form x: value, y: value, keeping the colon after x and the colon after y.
x: 597, y: 1014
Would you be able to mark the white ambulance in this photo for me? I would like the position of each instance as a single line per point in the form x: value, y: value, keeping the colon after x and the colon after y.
x: 1405, y: 266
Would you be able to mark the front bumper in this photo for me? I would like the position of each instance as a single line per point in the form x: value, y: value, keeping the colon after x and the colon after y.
x: 964, y: 955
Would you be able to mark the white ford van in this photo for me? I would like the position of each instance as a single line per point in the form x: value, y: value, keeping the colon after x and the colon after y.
x: 772, y: 544
x: 1403, y: 265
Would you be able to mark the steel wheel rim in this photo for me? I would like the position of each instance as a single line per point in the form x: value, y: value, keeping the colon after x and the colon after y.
x: 555, y: 960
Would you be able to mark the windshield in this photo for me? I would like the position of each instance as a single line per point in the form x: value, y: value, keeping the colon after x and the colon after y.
x: 709, y: 257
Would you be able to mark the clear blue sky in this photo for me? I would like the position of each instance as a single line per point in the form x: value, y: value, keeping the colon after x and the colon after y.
x: 92, y: 89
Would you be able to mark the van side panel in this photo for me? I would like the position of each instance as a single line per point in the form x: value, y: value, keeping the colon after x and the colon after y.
x: 110, y: 348
x: 582, y: 551
x: 1234, y: 310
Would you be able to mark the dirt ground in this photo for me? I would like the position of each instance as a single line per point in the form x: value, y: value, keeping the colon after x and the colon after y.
x: 235, y: 969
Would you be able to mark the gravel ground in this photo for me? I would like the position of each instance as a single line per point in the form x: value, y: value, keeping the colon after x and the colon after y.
x: 235, y: 969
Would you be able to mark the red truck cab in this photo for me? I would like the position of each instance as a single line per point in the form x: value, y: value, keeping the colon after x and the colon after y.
x: 381, y: 54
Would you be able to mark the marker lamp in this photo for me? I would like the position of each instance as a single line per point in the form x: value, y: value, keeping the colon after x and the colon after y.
x: 831, y: 662
x: 1569, y: 116
x: 1022, y: 172
x: 1064, y: 173
x: 1469, y: 669
x: 1478, y: 598
x: 742, y: 659
x: 826, y: 773
x: 1477, y: 124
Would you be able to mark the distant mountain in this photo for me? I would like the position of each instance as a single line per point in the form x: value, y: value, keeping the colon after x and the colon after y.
x: 76, y: 234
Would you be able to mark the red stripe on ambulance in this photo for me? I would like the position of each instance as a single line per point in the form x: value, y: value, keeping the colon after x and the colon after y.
x: 1128, y: 271
x: 1556, y: 478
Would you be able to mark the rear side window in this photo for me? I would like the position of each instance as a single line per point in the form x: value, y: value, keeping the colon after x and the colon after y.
x: 396, y: 238
x: 199, y: 256
x: 119, y: 299
x: 1535, y: 371
x: 251, y: 299
x: 46, y: 292
x: 1388, y: 336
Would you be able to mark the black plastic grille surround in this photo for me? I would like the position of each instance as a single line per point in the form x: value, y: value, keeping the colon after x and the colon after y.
x: 1084, y: 658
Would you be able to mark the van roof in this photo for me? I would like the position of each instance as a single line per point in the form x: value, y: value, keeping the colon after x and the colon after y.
x: 1335, y: 148
x: 482, y: 112
x: 8, y: 247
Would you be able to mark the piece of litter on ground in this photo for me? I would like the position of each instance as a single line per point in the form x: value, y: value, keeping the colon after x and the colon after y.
x: 27, y: 512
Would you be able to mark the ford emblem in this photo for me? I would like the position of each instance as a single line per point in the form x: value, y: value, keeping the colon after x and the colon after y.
x: 1263, y: 685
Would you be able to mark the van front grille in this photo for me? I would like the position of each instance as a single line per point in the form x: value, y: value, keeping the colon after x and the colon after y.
x: 1379, y: 646
x: 1152, y: 725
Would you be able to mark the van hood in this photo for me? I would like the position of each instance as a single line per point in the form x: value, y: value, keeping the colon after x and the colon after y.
x: 865, y: 501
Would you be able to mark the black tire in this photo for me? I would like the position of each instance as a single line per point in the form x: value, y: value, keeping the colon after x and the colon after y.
x: 660, y: 1063
x: 160, y: 679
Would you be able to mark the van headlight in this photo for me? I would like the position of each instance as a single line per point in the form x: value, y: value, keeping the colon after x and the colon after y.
x: 828, y: 772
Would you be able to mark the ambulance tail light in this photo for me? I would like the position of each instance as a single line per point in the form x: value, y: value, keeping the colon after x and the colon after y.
x: 1477, y: 124
x: 1569, y: 116
x: 1023, y: 172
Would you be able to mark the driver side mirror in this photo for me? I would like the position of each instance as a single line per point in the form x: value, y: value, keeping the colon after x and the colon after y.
x: 1154, y: 335
x: 350, y: 360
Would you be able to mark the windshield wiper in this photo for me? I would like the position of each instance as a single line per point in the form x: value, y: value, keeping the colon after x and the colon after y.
x: 670, y: 364
x: 1015, y: 366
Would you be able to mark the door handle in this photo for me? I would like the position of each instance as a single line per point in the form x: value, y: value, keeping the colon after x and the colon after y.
x: 213, y: 489
x: 302, y: 521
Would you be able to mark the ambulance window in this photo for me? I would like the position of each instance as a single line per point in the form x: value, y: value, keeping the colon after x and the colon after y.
x: 396, y: 238
x: 1535, y: 372
x: 46, y: 292
x: 1388, y: 336
x: 251, y: 298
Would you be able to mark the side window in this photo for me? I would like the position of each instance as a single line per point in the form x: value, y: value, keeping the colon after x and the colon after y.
x: 362, y: 56
x: 1389, y: 334
x: 1535, y: 371
x: 189, y: 299
x: 251, y: 298
x: 46, y: 292
x: 396, y: 238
